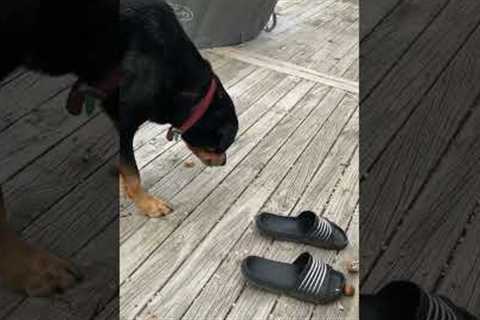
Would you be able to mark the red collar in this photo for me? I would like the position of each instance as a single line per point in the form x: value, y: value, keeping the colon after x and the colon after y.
x: 100, y: 90
x: 197, y: 113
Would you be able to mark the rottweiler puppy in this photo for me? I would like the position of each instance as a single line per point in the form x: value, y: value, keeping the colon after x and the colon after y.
x: 135, y: 58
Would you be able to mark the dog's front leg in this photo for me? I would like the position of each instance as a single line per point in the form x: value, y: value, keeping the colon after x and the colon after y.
x: 148, y: 204
x: 28, y: 269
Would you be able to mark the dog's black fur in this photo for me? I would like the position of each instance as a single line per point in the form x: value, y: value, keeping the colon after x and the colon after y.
x: 164, y: 77
x: 165, y: 74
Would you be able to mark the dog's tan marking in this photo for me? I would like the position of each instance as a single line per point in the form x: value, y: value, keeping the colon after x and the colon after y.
x: 28, y: 269
x: 148, y: 204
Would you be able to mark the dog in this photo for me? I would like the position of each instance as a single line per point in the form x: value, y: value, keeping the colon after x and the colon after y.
x: 135, y: 58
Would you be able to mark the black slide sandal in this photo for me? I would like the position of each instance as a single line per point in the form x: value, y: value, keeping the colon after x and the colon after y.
x: 401, y: 300
x: 306, y: 279
x: 306, y: 228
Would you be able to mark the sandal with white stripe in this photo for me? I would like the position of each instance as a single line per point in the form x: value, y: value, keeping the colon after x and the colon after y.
x: 306, y: 228
x: 306, y: 278
x: 405, y: 300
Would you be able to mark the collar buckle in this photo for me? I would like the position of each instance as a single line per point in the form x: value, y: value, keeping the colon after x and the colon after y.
x: 174, y: 134
x: 197, y: 113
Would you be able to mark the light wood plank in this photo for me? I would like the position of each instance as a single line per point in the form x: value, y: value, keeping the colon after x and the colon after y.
x: 317, y: 197
x: 288, y: 68
x: 256, y: 103
x: 225, y: 286
x: 209, y: 210
x: 219, y: 241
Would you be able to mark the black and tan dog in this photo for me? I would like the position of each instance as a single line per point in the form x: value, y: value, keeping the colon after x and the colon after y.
x: 135, y: 57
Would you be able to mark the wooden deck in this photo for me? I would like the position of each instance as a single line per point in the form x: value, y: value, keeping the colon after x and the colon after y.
x: 296, y: 96
x: 296, y: 91
x: 420, y: 139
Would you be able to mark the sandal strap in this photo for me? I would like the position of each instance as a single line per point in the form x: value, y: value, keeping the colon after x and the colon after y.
x: 323, y: 229
x: 438, y: 309
x: 314, y: 278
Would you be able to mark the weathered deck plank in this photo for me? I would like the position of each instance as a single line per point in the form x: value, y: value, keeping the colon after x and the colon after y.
x: 257, y: 109
x: 286, y: 123
x: 374, y: 13
x: 218, y: 201
x: 160, y: 274
x: 319, y: 196
x: 392, y: 39
x: 69, y: 226
x: 422, y: 55
x: 245, y: 213
x: 399, y: 93
x: 423, y: 142
x: 38, y: 89
x: 48, y: 124
x: 454, y: 188
x: 88, y: 298
x: 219, y: 241
x: 317, y: 40
x: 461, y: 281
x: 225, y: 286
x: 54, y: 175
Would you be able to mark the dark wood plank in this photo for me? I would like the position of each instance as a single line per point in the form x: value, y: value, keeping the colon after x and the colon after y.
x: 70, y: 225
x: 394, y: 183
x: 462, y: 277
x: 89, y: 298
x: 12, y: 76
x: 110, y: 312
x: 34, y: 190
x: 36, y: 133
x: 389, y: 107
x: 393, y: 37
x: 462, y: 283
x: 25, y: 91
x: 422, y: 247
x: 373, y: 12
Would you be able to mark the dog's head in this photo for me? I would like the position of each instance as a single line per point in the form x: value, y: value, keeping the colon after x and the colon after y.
x: 214, y: 132
x: 163, y: 79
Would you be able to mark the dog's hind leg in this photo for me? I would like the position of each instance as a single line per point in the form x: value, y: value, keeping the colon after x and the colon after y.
x: 28, y: 269
x: 148, y: 204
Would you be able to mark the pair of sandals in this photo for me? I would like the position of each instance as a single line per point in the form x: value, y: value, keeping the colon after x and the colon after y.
x: 307, y: 278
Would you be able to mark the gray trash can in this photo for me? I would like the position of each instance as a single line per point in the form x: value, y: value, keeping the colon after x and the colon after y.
x: 214, y: 23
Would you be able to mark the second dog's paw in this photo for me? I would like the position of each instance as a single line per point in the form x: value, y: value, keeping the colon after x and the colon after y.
x: 48, y: 274
x: 33, y: 271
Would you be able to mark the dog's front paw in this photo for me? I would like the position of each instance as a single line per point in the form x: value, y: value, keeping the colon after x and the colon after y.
x: 151, y: 206
x: 35, y: 271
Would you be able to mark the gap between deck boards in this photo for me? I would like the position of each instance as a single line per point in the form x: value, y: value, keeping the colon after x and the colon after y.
x: 288, y: 68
